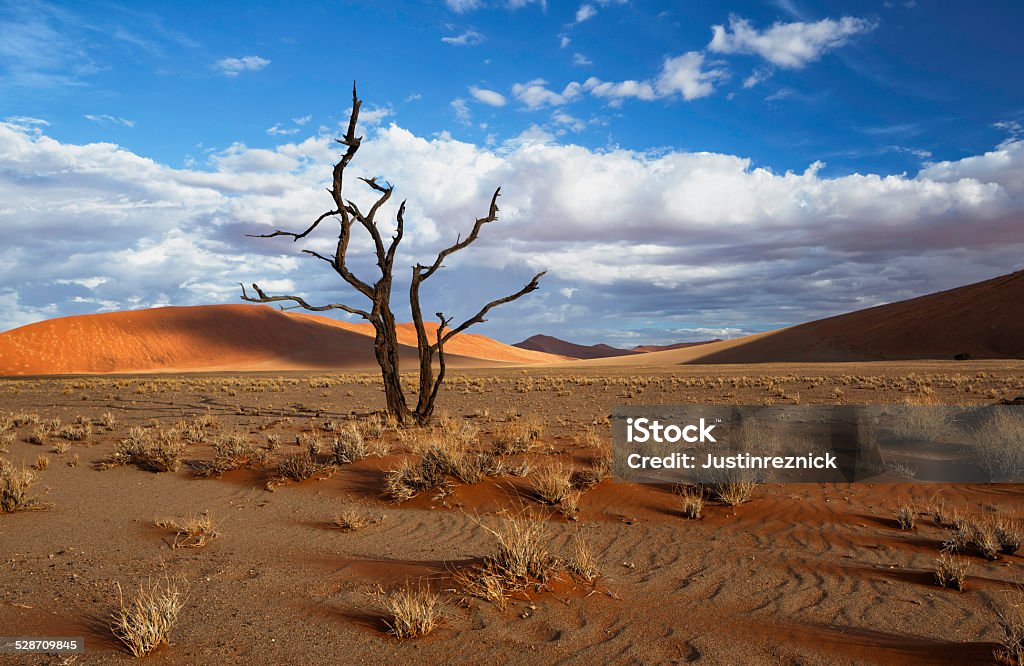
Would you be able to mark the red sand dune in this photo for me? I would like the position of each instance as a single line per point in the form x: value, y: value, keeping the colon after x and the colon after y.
x: 209, y: 337
x: 985, y: 320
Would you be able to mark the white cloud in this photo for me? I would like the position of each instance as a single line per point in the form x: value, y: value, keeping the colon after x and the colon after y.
x: 570, y: 122
x: 488, y: 97
x: 788, y: 45
x: 586, y: 11
x: 467, y: 38
x: 534, y: 94
x: 277, y: 130
x: 563, y: 41
x: 104, y: 119
x: 234, y: 66
x: 462, y: 113
x: 580, y: 60
x: 460, y: 6
x: 619, y: 226
x: 682, y: 75
x: 757, y: 76
x: 303, y: 120
x: 686, y: 76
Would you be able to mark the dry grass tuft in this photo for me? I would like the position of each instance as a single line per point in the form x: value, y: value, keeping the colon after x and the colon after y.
x: 518, y: 437
x: 551, y: 483
x: 193, y: 531
x: 410, y: 612
x: 997, y: 446
x: 159, y: 453
x: 349, y: 446
x: 906, y: 515
x: 733, y: 493
x: 15, y: 483
x: 691, y: 501
x: 351, y: 520
x: 146, y: 622
x: 951, y: 571
x: 1011, y: 619
x: 231, y: 451
x: 582, y: 560
x: 42, y: 462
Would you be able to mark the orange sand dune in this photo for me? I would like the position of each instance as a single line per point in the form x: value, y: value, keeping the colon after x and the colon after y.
x: 985, y: 320
x: 463, y: 344
x: 209, y: 337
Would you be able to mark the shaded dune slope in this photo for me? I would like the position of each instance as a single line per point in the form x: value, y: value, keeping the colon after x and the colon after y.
x: 984, y: 320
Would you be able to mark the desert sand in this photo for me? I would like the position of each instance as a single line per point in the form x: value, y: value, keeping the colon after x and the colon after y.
x: 809, y: 574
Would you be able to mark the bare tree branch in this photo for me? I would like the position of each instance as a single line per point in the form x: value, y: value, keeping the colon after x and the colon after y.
x: 492, y: 215
x: 295, y: 236
x: 263, y: 298
x: 478, y: 318
x: 440, y: 358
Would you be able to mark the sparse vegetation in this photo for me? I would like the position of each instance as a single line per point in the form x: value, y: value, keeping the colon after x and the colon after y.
x: 551, y: 483
x: 146, y: 621
x: 906, y: 515
x: 160, y: 453
x: 951, y: 571
x: 15, y: 483
x: 410, y: 612
x: 582, y: 560
x: 691, y: 501
x: 193, y: 531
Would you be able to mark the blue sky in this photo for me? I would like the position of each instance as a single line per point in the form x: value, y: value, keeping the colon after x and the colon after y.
x: 684, y: 170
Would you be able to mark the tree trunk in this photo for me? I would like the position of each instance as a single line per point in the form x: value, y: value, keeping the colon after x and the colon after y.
x: 385, y: 347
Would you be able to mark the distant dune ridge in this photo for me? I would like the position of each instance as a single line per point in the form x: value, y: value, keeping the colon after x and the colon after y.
x: 983, y: 320
x: 552, y: 345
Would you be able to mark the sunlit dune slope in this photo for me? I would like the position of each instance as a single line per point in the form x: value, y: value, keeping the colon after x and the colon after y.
x: 210, y: 337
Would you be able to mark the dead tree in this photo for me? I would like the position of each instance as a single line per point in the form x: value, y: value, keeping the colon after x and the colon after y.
x: 385, y: 343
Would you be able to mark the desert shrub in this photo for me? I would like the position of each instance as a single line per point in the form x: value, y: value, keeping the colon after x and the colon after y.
x: 42, y: 462
x: 15, y: 483
x: 1010, y: 535
x: 922, y: 423
x: 75, y: 433
x: 598, y: 468
x: 691, y: 501
x: 37, y: 436
x: 108, y: 420
x: 985, y: 538
x: 372, y: 428
x: 349, y: 446
x: 298, y: 466
x: 231, y: 451
x: 408, y: 480
x: 410, y: 612
x: 587, y: 438
x: 551, y: 483
x: 582, y: 560
x: 161, y: 453
x: 7, y: 439
x: 146, y: 621
x: 193, y: 531
x: 997, y: 445
x: 951, y: 571
x: 1011, y: 620
x: 350, y: 520
x: 906, y: 515
x: 569, y: 505
x: 522, y: 547
x: 517, y: 437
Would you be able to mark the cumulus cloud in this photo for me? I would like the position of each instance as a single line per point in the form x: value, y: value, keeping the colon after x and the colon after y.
x: 488, y: 97
x: 534, y: 94
x: 686, y: 240
x: 467, y: 38
x: 461, y: 109
x: 684, y: 75
x: 232, y: 67
x: 787, y: 45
